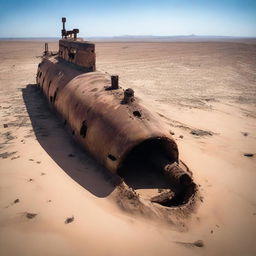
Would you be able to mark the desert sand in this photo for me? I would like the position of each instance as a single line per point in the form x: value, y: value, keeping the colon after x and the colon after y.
x: 56, y: 200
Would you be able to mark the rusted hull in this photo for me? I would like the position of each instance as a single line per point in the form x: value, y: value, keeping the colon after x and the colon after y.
x: 101, y: 121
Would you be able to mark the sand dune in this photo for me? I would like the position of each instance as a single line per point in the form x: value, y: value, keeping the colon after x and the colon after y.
x: 56, y: 200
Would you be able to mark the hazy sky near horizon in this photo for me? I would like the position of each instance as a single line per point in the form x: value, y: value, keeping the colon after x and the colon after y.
x: 33, y: 18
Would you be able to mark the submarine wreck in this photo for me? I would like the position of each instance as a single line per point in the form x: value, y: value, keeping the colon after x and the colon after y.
x: 111, y: 123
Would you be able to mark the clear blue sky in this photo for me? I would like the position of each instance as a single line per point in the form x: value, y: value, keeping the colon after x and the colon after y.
x: 33, y: 18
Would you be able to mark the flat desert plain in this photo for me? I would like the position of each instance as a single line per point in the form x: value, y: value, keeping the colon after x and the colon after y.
x: 56, y: 200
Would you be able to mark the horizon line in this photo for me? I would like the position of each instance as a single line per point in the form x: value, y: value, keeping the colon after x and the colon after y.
x: 131, y: 35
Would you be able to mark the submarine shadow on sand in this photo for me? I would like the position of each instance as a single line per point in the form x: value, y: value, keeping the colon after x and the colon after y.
x: 55, y: 140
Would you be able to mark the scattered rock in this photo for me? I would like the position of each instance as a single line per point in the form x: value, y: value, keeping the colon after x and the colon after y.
x: 30, y: 215
x: 211, y: 231
x: 38, y: 162
x: 30, y: 180
x: 248, y: 154
x: 245, y: 133
x: 7, y: 154
x: 16, y: 201
x: 198, y: 132
x: 30, y: 159
x: 42, y: 173
x: 49, y: 201
x: 15, y: 157
x: 172, y: 133
x: 71, y: 155
x: 199, y: 243
x: 69, y: 220
x: 209, y: 99
x: 5, y: 125
x: 181, y: 136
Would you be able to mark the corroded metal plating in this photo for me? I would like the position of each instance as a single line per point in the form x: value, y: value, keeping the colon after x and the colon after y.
x: 112, y: 128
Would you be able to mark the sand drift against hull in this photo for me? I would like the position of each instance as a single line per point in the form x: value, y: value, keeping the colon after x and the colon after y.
x: 110, y: 123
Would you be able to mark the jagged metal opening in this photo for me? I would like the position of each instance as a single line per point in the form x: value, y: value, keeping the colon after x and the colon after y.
x: 137, y: 168
x: 139, y: 172
x: 181, y: 199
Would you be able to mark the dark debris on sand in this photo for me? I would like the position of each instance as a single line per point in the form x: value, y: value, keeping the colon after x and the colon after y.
x: 248, y: 154
x: 198, y: 243
x: 198, y: 132
x: 7, y: 154
x: 69, y: 220
x: 30, y: 215
x: 16, y: 201
x: 15, y: 157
